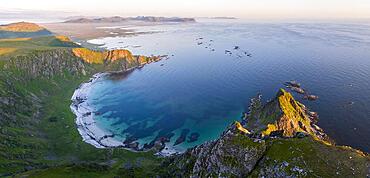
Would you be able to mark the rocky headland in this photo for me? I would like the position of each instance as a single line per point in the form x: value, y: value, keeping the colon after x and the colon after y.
x: 279, y: 138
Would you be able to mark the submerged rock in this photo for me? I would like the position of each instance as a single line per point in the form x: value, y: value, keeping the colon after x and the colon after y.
x: 182, y: 137
x: 193, y: 137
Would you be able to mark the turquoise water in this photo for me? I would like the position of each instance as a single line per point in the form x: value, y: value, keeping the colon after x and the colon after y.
x: 204, y: 90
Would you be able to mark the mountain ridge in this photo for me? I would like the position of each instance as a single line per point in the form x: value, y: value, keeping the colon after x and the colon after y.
x: 117, y: 19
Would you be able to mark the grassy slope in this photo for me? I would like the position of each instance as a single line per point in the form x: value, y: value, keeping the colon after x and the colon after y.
x: 317, y: 159
x: 52, y: 138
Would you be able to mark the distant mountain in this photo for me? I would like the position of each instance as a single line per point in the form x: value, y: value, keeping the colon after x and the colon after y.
x: 162, y: 19
x: 23, y: 30
x: 116, y: 19
x: 229, y: 18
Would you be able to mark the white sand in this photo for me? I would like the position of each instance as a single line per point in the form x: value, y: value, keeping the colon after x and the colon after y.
x: 86, y: 125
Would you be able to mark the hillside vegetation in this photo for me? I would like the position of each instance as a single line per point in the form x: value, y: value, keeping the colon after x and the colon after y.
x: 37, y: 79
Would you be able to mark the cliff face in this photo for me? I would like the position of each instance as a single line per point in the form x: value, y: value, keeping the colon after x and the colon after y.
x: 121, y: 58
x: 46, y: 64
x: 115, y: 55
x: 276, y: 139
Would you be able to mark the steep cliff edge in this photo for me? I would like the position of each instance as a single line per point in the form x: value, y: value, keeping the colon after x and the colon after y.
x: 276, y: 139
x: 121, y: 58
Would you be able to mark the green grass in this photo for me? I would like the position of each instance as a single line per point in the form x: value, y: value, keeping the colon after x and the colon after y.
x: 316, y: 158
x: 39, y: 43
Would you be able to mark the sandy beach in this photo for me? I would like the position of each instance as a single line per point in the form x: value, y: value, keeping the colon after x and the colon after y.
x: 86, y: 125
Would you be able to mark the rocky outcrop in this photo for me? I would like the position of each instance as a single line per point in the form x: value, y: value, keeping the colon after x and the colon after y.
x: 282, y: 116
x: 114, y: 55
x: 281, y: 141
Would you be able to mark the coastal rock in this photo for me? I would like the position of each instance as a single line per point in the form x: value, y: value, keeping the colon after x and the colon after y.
x: 298, y: 90
x: 284, y: 114
x: 293, y: 83
x: 310, y: 97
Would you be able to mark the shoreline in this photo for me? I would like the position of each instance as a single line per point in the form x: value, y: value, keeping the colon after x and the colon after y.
x: 92, y: 134
x: 86, y: 125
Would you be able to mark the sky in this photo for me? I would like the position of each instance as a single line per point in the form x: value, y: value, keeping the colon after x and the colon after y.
x: 295, y: 9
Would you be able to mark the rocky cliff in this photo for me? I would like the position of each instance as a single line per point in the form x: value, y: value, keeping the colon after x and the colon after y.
x: 283, y: 116
x: 276, y: 139
x: 46, y: 64
x: 122, y: 58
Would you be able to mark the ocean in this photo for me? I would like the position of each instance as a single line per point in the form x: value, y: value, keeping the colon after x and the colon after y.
x: 217, y: 66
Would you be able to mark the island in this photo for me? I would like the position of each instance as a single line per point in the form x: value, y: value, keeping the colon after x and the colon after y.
x: 118, y: 19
